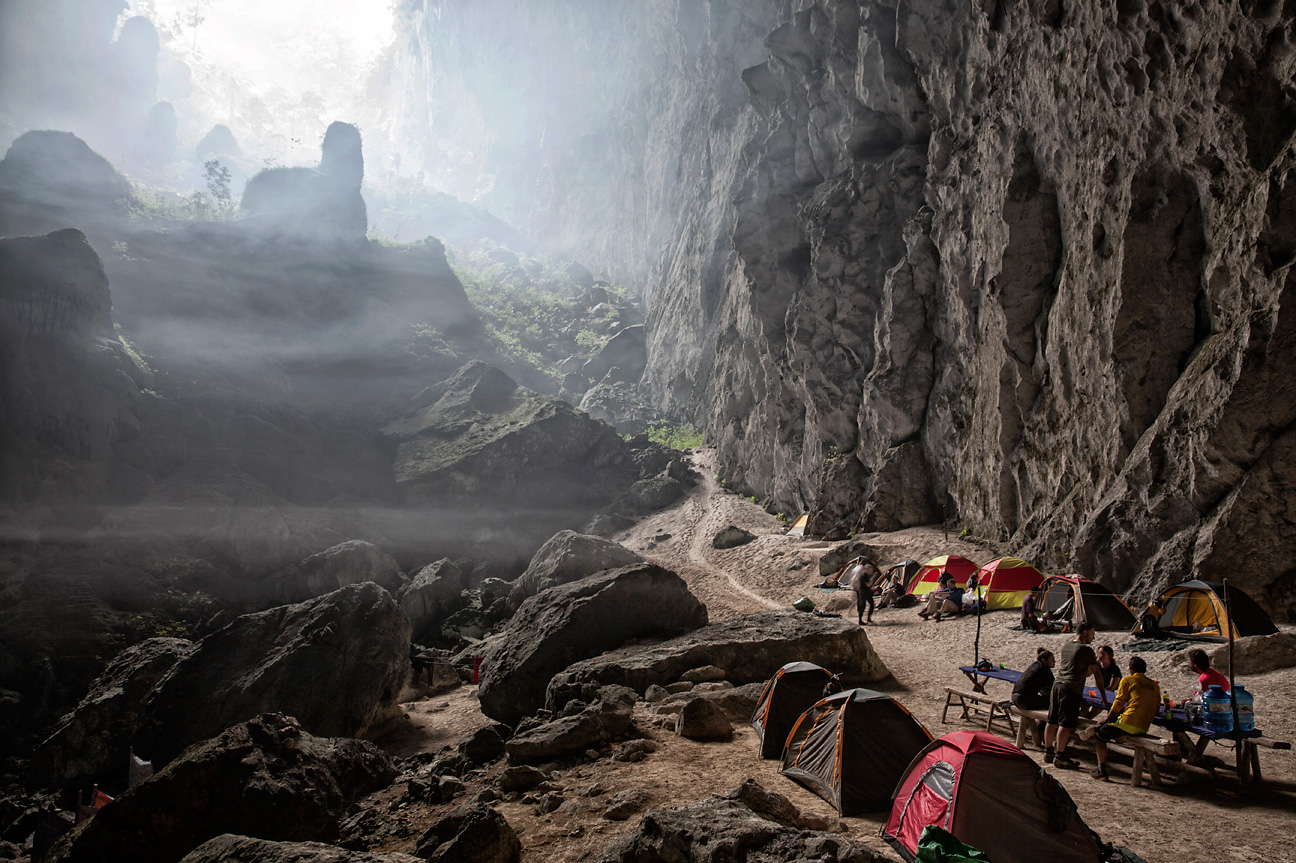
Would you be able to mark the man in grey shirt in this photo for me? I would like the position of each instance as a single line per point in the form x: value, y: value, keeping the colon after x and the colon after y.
x: 1076, y: 662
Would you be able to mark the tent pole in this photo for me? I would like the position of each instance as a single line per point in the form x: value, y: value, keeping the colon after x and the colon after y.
x: 1228, y: 609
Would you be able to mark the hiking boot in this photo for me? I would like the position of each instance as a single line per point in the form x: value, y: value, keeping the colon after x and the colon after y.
x: 938, y: 617
x: 1100, y: 774
x: 1065, y: 762
x: 924, y: 614
x: 1049, y: 755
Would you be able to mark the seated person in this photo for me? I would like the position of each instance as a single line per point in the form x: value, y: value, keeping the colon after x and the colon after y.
x: 1110, y: 670
x: 1207, y: 676
x: 1029, y: 621
x: 945, y: 601
x: 1150, y: 622
x: 893, y: 588
x: 1031, y: 691
x: 1131, y: 711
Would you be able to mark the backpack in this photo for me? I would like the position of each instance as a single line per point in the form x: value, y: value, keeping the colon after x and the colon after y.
x: 906, y: 601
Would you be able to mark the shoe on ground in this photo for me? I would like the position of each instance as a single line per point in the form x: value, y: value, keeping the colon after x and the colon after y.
x: 1049, y: 755
x: 924, y: 614
x: 1100, y: 774
x: 1065, y: 762
x: 938, y: 617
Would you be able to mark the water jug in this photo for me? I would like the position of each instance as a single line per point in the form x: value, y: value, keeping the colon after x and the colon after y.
x: 1246, y: 708
x: 1218, y: 709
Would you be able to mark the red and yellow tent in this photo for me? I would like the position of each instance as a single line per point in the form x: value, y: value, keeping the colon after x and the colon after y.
x: 928, y: 578
x: 1005, y: 582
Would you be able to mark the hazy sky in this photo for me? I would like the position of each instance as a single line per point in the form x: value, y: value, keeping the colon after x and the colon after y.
x: 250, y: 59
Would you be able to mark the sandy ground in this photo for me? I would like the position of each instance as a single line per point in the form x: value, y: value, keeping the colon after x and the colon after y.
x: 1195, y: 819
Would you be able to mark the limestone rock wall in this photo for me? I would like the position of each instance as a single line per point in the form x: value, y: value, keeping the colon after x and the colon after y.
x: 1015, y: 263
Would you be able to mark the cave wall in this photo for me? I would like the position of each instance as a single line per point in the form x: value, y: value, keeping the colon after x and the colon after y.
x: 1015, y: 263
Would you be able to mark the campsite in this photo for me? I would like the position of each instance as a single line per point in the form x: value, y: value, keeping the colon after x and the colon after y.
x: 922, y: 659
x: 471, y: 431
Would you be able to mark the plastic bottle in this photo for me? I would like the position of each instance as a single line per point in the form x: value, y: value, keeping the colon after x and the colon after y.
x: 1246, y: 708
x: 1217, y: 710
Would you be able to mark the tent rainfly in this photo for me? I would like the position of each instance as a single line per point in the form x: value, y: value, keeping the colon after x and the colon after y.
x: 798, y: 527
x: 1195, y: 609
x: 851, y: 748
x: 792, y: 690
x: 988, y: 794
x: 1004, y: 583
x: 1078, y: 600
x: 928, y: 578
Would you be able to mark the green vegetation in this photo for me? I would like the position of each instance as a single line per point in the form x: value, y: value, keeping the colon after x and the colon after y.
x: 675, y: 436
x: 130, y: 349
x: 529, y: 307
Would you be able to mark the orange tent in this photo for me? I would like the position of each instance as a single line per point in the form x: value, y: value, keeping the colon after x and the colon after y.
x: 928, y: 578
x: 1005, y: 582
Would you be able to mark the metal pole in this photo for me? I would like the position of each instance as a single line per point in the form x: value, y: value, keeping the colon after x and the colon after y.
x: 976, y: 646
x: 1228, y: 609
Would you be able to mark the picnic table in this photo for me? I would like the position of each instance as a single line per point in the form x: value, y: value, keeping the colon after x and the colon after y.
x: 1176, y: 722
x: 1194, y: 752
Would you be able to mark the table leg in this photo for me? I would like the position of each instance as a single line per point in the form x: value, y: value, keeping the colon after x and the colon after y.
x: 1243, y: 764
x: 1255, y: 762
x: 976, y: 686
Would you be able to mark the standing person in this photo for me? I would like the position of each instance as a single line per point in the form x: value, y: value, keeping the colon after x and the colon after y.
x: 1132, y: 711
x: 1031, y: 691
x: 1077, y: 662
x: 862, y: 574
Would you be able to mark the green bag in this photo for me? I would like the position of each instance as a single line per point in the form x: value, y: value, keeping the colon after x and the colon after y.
x: 805, y: 603
x: 937, y: 846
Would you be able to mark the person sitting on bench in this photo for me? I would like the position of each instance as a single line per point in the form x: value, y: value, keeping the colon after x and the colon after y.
x: 1132, y: 712
x: 1031, y: 691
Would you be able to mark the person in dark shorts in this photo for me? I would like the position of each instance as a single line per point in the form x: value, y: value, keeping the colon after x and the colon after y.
x: 862, y: 575
x: 1077, y: 662
x: 1132, y: 712
x: 1031, y: 691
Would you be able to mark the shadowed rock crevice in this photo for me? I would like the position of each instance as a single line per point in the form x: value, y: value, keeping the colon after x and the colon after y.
x: 1156, y: 328
x: 1026, y: 286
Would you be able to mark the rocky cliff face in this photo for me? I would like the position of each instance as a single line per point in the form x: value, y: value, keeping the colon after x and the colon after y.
x: 1020, y: 264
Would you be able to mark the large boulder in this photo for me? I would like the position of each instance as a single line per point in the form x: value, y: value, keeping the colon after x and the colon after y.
x: 264, y: 777
x: 69, y: 387
x: 99, y: 733
x: 478, y: 438
x: 351, y: 562
x: 568, y: 556
x: 435, y: 593
x: 749, y: 649
x: 228, y: 848
x: 625, y: 352
x: 53, y: 180
x: 764, y: 825
x: 597, y: 725
x: 472, y: 833
x: 619, y: 404
x: 1255, y: 654
x: 571, y: 622
x: 336, y: 663
x: 323, y: 204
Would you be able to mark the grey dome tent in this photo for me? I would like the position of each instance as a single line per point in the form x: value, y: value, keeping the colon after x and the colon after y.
x: 792, y: 690
x: 853, y: 748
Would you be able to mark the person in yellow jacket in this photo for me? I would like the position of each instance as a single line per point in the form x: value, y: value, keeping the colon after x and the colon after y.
x: 1132, y: 711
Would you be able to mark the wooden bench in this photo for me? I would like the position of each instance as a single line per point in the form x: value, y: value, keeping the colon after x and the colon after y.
x: 1144, y: 746
x: 980, y: 704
